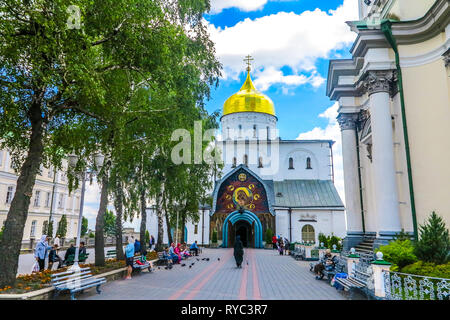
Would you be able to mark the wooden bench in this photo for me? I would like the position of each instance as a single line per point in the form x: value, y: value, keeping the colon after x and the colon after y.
x: 140, y: 267
x: 162, y: 259
x: 339, y: 267
x: 71, y: 258
x: 75, y: 282
x: 111, y: 254
x: 359, y: 280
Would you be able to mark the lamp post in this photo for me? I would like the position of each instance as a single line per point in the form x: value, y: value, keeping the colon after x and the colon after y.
x: 73, y: 160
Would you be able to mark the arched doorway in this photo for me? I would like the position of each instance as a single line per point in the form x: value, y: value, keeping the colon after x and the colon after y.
x: 243, y: 229
x: 246, y: 224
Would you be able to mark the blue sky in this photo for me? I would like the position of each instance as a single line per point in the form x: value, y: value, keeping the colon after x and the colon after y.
x: 291, y: 42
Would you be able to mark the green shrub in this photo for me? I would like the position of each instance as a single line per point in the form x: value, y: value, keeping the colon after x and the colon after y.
x: 334, y: 240
x: 269, y: 235
x: 399, y: 252
x: 147, y: 236
x: 428, y: 269
x: 214, y: 236
x: 434, y: 241
x: 91, y: 235
x: 323, y: 239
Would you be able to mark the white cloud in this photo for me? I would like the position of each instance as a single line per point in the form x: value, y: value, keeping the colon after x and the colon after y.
x: 244, y: 5
x: 284, y: 39
x: 331, y: 132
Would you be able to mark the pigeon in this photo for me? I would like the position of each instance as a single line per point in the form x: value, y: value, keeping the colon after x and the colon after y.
x: 247, y: 262
x: 192, y: 263
x: 207, y: 259
x: 183, y: 264
x: 218, y: 259
x: 190, y: 266
x: 198, y: 259
x: 166, y: 268
x: 159, y: 268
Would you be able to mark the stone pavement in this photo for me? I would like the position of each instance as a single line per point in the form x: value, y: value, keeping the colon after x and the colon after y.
x: 264, y: 275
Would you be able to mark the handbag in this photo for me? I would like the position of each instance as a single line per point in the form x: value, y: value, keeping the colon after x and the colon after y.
x: 35, y: 267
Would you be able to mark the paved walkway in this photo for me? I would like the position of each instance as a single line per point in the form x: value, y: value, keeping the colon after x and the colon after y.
x: 264, y: 275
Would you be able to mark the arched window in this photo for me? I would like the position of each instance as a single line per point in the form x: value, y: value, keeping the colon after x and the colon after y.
x: 308, y: 163
x: 246, y: 160
x: 233, y: 165
x: 308, y: 233
x: 291, y: 163
x: 254, y: 131
x: 268, y: 133
x: 260, y: 162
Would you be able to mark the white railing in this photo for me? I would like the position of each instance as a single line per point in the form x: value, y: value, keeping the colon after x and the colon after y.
x: 403, y: 286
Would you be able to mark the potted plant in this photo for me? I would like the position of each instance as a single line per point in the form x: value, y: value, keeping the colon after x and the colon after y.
x: 269, y: 235
x: 214, y: 239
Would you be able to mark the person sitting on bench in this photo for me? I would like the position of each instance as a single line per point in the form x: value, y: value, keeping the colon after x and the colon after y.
x: 184, y: 251
x: 167, y: 256
x: 53, y: 257
x: 327, y: 263
x: 69, y: 252
x: 194, y: 248
x: 172, y: 254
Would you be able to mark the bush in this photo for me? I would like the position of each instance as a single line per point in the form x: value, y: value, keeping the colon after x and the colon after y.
x: 214, y: 237
x: 269, y: 235
x: 147, y: 236
x: 323, y: 239
x: 91, y: 235
x: 434, y: 241
x: 328, y: 241
x: 399, y: 252
x: 428, y: 269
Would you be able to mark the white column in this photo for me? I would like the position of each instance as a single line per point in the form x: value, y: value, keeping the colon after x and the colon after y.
x: 385, y: 185
x: 347, y: 121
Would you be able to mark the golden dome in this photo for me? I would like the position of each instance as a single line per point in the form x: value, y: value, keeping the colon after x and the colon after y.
x: 248, y: 99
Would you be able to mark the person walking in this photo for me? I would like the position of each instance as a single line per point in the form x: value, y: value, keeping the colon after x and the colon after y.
x: 152, y: 242
x: 238, y: 252
x: 274, y: 241
x: 280, y: 246
x: 54, y: 257
x: 129, y: 255
x: 56, y: 241
x: 40, y: 252
x: 286, y: 246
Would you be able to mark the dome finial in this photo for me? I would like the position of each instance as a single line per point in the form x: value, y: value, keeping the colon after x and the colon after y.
x: 248, y: 59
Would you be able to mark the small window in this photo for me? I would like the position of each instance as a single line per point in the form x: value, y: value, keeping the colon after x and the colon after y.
x: 308, y: 233
x: 291, y: 163
x: 37, y: 198
x: 240, y: 130
x: 308, y: 163
x: 50, y: 172
x: 268, y: 133
x: 61, y: 201
x: 196, y: 229
x: 33, y: 228
x: 228, y: 132
x: 254, y: 131
x: 260, y: 162
x: 9, y: 194
x: 233, y: 165
x: 246, y: 160
x: 47, y: 200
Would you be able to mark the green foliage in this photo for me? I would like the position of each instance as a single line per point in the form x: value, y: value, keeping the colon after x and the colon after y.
x: 110, y: 224
x: 1, y: 232
x: 214, y: 236
x: 434, y: 241
x: 84, y: 226
x: 399, y: 252
x: 329, y: 241
x: 91, y: 235
x: 429, y: 269
x: 269, y: 235
x: 45, y: 227
x: 62, y: 227
x: 402, y: 235
x: 50, y: 228
x: 147, y: 236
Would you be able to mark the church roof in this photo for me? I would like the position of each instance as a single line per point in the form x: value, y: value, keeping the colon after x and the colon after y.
x: 306, y: 194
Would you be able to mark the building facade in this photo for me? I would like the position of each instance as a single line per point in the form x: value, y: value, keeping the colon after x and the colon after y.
x: 270, y: 183
x: 50, y: 185
x: 394, y: 112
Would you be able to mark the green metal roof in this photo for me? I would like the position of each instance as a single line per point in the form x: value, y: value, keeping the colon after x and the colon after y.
x: 306, y: 194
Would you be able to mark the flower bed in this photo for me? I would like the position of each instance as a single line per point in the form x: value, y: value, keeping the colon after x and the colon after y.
x: 39, y: 280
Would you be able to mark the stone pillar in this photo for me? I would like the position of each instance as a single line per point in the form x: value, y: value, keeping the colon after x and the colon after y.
x: 352, y: 260
x: 379, y: 84
x: 379, y: 266
x: 355, y: 234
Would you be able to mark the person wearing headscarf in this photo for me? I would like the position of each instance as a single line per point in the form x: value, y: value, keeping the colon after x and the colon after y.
x: 177, y: 251
x: 238, y: 251
x: 40, y: 252
x: 327, y: 263
x: 129, y: 257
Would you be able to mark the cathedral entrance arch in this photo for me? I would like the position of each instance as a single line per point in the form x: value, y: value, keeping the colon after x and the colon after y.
x: 245, y: 224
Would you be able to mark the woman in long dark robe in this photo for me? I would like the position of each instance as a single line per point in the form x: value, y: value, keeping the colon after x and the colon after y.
x: 238, y: 251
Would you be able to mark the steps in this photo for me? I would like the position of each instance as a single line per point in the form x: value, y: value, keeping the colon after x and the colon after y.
x: 366, y: 246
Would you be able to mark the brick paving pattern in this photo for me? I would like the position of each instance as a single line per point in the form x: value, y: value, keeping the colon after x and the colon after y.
x: 264, y: 275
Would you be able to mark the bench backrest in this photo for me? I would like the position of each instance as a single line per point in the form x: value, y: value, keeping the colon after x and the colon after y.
x: 363, y: 273
x: 65, y: 277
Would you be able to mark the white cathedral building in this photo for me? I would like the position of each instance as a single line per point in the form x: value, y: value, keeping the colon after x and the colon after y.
x: 267, y: 182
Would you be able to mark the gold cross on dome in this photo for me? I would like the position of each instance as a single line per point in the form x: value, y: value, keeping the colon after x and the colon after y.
x: 248, y: 59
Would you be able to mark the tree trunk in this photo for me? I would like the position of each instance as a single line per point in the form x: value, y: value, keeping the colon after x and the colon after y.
x: 100, y: 223
x: 18, y: 211
x: 159, y: 214
x: 143, y: 221
x: 183, y: 224
x: 166, y: 214
x: 118, y: 204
